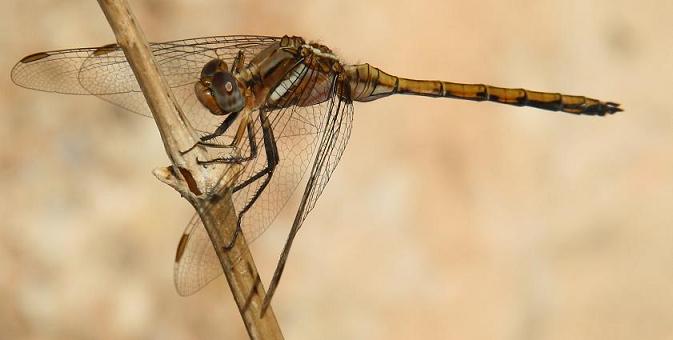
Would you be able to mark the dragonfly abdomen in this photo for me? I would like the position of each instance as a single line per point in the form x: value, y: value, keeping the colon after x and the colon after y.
x: 522, y: 97
x: 369, y: 83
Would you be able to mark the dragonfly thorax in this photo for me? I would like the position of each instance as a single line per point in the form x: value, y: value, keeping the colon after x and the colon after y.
x: 218, y: 89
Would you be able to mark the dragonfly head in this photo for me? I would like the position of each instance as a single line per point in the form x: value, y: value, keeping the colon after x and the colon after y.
x: 218, y: 89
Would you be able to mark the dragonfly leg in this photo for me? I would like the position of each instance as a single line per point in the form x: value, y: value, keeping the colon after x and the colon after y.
x: 271, y: 150
x: 222, y: 129
x: 237, y: 140
x: 239, y: 62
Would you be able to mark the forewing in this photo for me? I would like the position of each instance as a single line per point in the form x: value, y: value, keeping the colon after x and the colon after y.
x: 104, y: 71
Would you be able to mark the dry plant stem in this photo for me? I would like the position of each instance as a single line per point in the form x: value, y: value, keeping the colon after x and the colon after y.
x: 192, y: 179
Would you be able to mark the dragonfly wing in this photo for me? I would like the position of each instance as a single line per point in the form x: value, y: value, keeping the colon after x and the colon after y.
x: 107, y: 75
x: 196, y: 263
x: 297, y: 130
x: 104, y: 71
x: 52, y: 71
x: 337, y: 124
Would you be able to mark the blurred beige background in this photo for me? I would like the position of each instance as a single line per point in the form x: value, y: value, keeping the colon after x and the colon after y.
x: 444, y: 220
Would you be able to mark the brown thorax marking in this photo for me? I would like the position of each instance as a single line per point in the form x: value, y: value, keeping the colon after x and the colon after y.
x: 317, y: 56
x: 320, y: 57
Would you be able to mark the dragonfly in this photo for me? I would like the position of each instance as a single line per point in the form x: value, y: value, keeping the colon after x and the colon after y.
x: 275, y: 106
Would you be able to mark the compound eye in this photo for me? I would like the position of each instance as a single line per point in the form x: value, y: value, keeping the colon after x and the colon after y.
x: 226, y: 92
x: 211, y: 68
